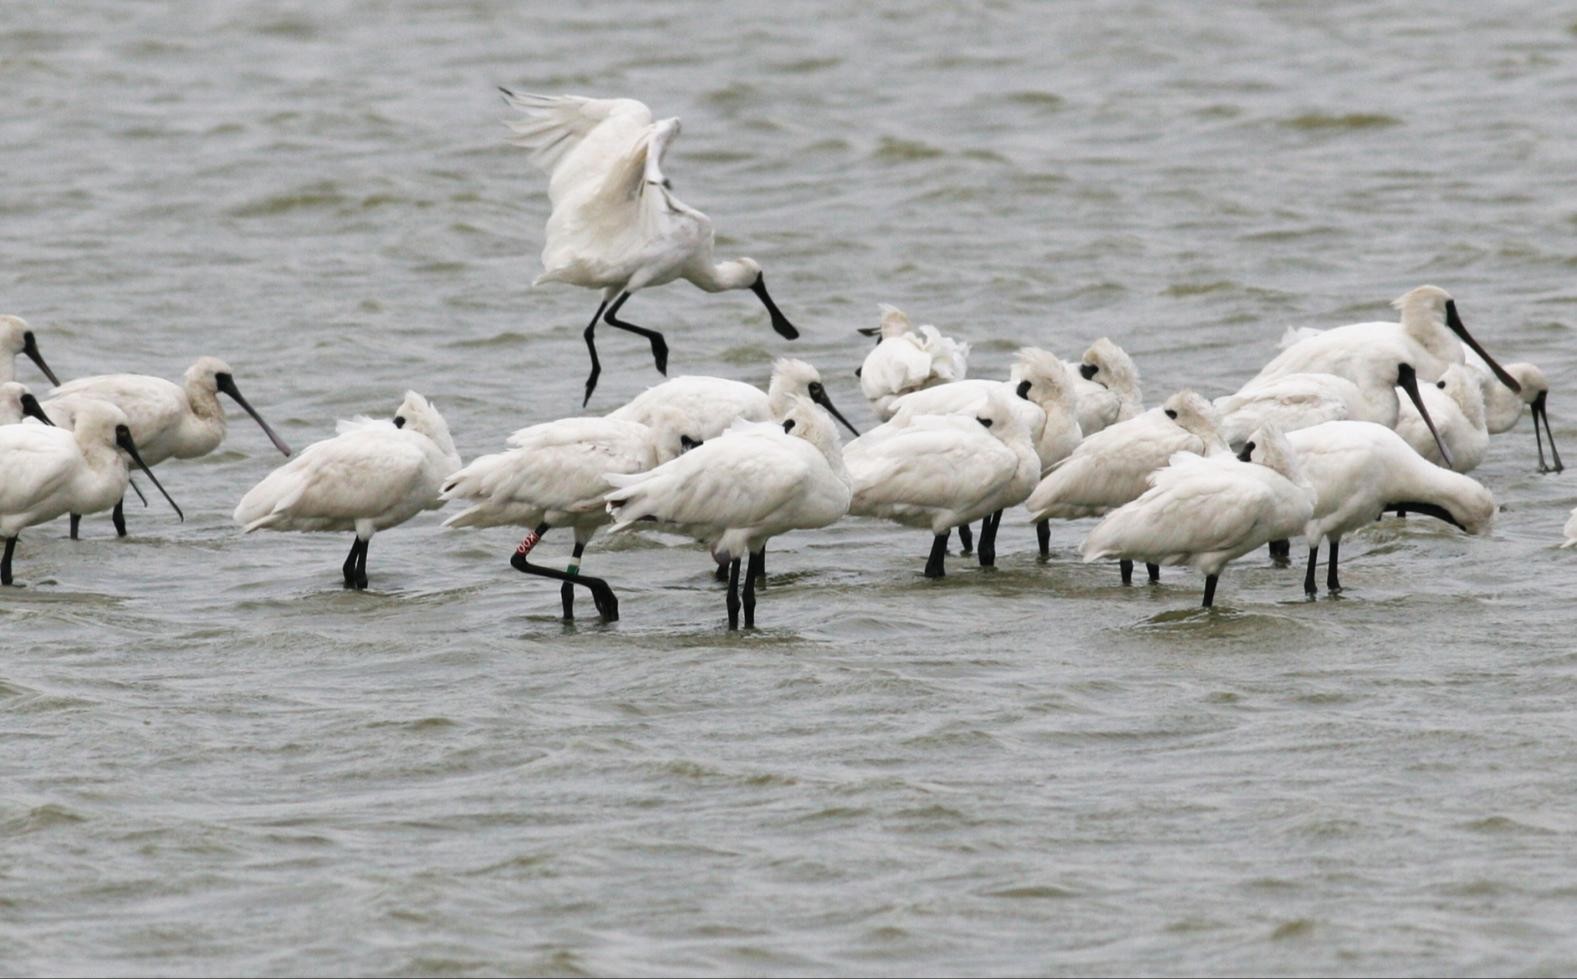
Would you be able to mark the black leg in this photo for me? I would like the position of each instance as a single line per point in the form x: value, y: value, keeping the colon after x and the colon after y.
x: 721, y: 574
x: 1540, y: 439
x: 591, y: 347
x: 1210, y: 591
x: 567, y: 590
x: 601, y: 594
x: 361, y: 565
x: 5, y: 562
x: 1153, y: 570
x: 1281, y: 553
x: 659, y: 345
x: 1331, y: 584
x: 76, y: 524
x: 1126, y: 567
x: 118, y: 517
x: 752, y: 573
x: 988, y: 540
x: 733, y: 594
x: 1043, y: 537
x: 1308, y: 578
x: 933, y: 565
x: 761, y: 567
x: 349, y: 567
x: 966, y: 539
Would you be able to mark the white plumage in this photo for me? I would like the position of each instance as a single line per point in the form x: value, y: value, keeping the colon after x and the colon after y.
x: 616, y: 225
x: 1360, y: 470
x: 1105, y: 386
x: 1456, y: 407
x: 17, y: 339
x: 908, y: 359
x: 17, y: 403
x: 371, y: 476
x: 1204, y: 511
x: 1503, y: 406
x: 940, y: 471
x: 1368, y: 392
x: 737, y: 491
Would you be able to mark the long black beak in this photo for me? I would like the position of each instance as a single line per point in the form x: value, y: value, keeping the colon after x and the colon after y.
x: 780, y: 322
x: 32, y: 409
x: 1247, y: 455
x: 1087, y: 371
x: 1454, y: 322
x: 123, y: 439
x: 30, y: 347
x: 226, y: 383
x: 826, y: 403
x: 869, y: 331
x: 1539, y: 412
x: 1427, y: 509
x: 1407, y: 380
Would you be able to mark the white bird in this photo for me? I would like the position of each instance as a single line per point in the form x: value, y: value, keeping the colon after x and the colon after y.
x: 1113, y: 466
x: 183, y: 421
x: 703, y: 407
x: 1456, y: 421
x: 941, y: 471
x: 371, y: 476
x: 1040, y: 392
x: 1106, y: 384
x: 555, y: 476
x: 1294, y: 401
x: 1570, y: 531
x: 1360, y: 470
x: 18, y: 403
x: 46, y: 471
x: 907, y: 359
x: 737, y: 491
x: 616, y: 224
x: 17, y: 338
x: 1503, y: 407
x: 1204, y: 511
x: 1424, y: 338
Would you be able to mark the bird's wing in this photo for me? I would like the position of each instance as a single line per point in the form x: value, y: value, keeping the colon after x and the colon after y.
x: 736, y: 480
x: 942, y: 461
x: 551, y: 473
x: 38, y: 461
x: 553, y: 126
x: 149, y: 402
x: 1197, y: 505
x: 895, y: 366
x: 359, y: 474
x: 1109, y: 468
x: 949, y: 357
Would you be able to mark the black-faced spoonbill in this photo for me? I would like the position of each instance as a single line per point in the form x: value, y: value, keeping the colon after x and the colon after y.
x: 16, y: 338
x: 907, y: 359
x: 373, y: 475
x: 17, y: 403
x: 168, y: 420
x: 1456, y: 420
x: 1360, y: 470
x: 940, y: 471
x: 1503, y: 407
x: 616, y: 224
x: 554, y: 476
x: 1113, y: 466
x: 1106, y: 386
x: 737, y: 491
x: 46, y: 471
x: 1203, y: 511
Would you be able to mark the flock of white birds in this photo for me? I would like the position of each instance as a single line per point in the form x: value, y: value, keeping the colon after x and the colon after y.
x: 1320, y: 443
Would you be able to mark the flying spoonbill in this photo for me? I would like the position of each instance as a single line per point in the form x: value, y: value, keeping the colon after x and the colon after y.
x: 1360, y: 470
x: 616, y: 224
x: 907, y: 359
x: 373, y: 475
x: 46, y: 471
x: 1204, y: 511
x: 17, y: 338
x: 735, y: 492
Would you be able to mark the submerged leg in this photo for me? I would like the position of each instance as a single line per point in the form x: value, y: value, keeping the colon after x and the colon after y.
x: 752, y: 575
x: 1210, y: 591
x: 361, y: 565
x: 1126, y: 567
x: 966, y: 539
x: 601, y: 594
x: 567, y: 590
x: 988, y: 540
x: 1331, y: 584
x: 1308, y: 578
x: 659, y: 345
x: 733, y: 594
x: 5, y: 562
x: 76, y: 523
x: 591, y: 347
x: 1043, y: 537
x: 118, y: 518
x: 349, y: 567
x: 1153, y: 570
x: 933, y: 565
x: 1281, y: 553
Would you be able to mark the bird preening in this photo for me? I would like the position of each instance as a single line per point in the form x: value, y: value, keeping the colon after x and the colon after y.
x: 615, y: 224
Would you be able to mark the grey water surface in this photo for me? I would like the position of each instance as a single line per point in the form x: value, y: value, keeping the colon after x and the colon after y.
x: 214, y: 760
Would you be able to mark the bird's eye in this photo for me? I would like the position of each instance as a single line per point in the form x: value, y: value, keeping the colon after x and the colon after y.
x: 1441, y: 385
x: 815, y: 389
x: 399, y: 421
x: 984, y: 421
x: 1170, y: 413
x: 788, y: 425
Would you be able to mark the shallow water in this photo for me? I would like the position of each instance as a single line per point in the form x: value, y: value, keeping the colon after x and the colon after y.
x: 218, y: 761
